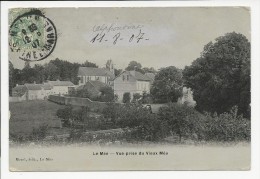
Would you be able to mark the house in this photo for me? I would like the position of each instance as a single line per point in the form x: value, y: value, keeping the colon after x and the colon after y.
x: 29, y: 91
x: 47, y: 88
x: 131, y: 82
x: 19, y: 91
x: 150, y: 75
x: 33, y: 91
x: 59, y: 87
x: 93, y: 87
x: 105, y: 75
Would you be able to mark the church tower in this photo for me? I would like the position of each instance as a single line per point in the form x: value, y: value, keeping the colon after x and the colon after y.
x: 110, y: 66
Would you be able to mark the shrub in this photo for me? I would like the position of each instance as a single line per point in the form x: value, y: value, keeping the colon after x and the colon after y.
x: 147, y: 98
x: 182, y: 120
x: 76, y: 135
x: 107, y: 94
x: 126, y: 98
x: 65, y: 114
x: 39, y: 133
x: 136, y: 97
x: 227, y: 126
x: 145, y: 125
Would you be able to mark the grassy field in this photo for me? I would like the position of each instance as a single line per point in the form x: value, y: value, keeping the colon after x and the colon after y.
x: 27, y: 115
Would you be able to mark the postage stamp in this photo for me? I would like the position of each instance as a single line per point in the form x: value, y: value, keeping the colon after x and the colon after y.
x: 32, y: 35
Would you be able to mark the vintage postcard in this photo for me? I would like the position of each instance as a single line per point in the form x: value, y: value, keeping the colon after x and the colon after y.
x: 111, y: 89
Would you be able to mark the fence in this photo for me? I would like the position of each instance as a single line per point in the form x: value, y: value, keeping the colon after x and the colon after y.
x: 95, y: 105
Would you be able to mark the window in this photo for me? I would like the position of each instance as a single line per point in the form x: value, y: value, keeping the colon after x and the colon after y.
x: 81, y: 79
x: 127, y: 77
x: 123, y: 77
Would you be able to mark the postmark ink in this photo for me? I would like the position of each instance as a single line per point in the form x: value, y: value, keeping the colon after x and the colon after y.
x: 33, y: 36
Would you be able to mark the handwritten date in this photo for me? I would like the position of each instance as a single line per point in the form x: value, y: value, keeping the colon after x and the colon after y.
x: 134, y: 38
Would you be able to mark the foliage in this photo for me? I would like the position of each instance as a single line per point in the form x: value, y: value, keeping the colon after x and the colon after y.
x: 39, y: 133
x: 182, y: 120
x: 227, y: 126
x: 144, y: 98
x: 133, y: 65
x: 145, y: 125
x: 137, y: 97
x: 111, y: 111
x: 147, y: 98
x: 167, y: 85
x: 55, y: 69
x: 89, y: 64
x: 126, y: 98
x: 220, y: 77
x: 81, y: 93
x: 65, y: 114
x: 149, y: 70
x: 11, y: 81
x: 118, y: 71
x: 107, y: 94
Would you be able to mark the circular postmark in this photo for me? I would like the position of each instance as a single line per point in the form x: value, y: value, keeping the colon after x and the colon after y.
x: 33, y: 36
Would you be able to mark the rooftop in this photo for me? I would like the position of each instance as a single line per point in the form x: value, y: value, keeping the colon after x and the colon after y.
x: 150, y: 75
x: 139, y: 76
x: 32, y: 86
x: 60, y: 83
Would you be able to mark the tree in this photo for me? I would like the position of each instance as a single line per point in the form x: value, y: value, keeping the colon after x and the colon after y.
x: 182, y: 120
x: 149, y: 70
x: 11, y: 77
x: 133, y: 65
x: 89, y: 64
x: 65, y: 114
x: 118, y: 71
x: 137, y: 97
x: 167, y: 86
x: 126, y: 98
x: 107, y: 94
x: 82, y: 93
x: 220, y: 77
x: 51, y: 71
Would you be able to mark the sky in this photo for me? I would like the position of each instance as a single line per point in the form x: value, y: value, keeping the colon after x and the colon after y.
x: 168, y: 36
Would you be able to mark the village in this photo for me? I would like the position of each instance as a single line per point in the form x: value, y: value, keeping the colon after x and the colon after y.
x: 92, y: 80
x: 73, y: 107
x: 84, y: 102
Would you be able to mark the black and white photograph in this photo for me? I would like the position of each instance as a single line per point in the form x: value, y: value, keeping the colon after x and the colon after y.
x: 129, y: 88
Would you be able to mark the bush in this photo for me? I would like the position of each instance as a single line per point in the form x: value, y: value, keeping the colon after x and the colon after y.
x: 147, y: 98
x: 76, y: 135
x: 65, y: 114
x: 39, y: 133
x: 136, y: 97
x: 182, y: 120
x: 107, y: 94
x: 126, y: 98
x: 145, y: 125
x: 227, y: 126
